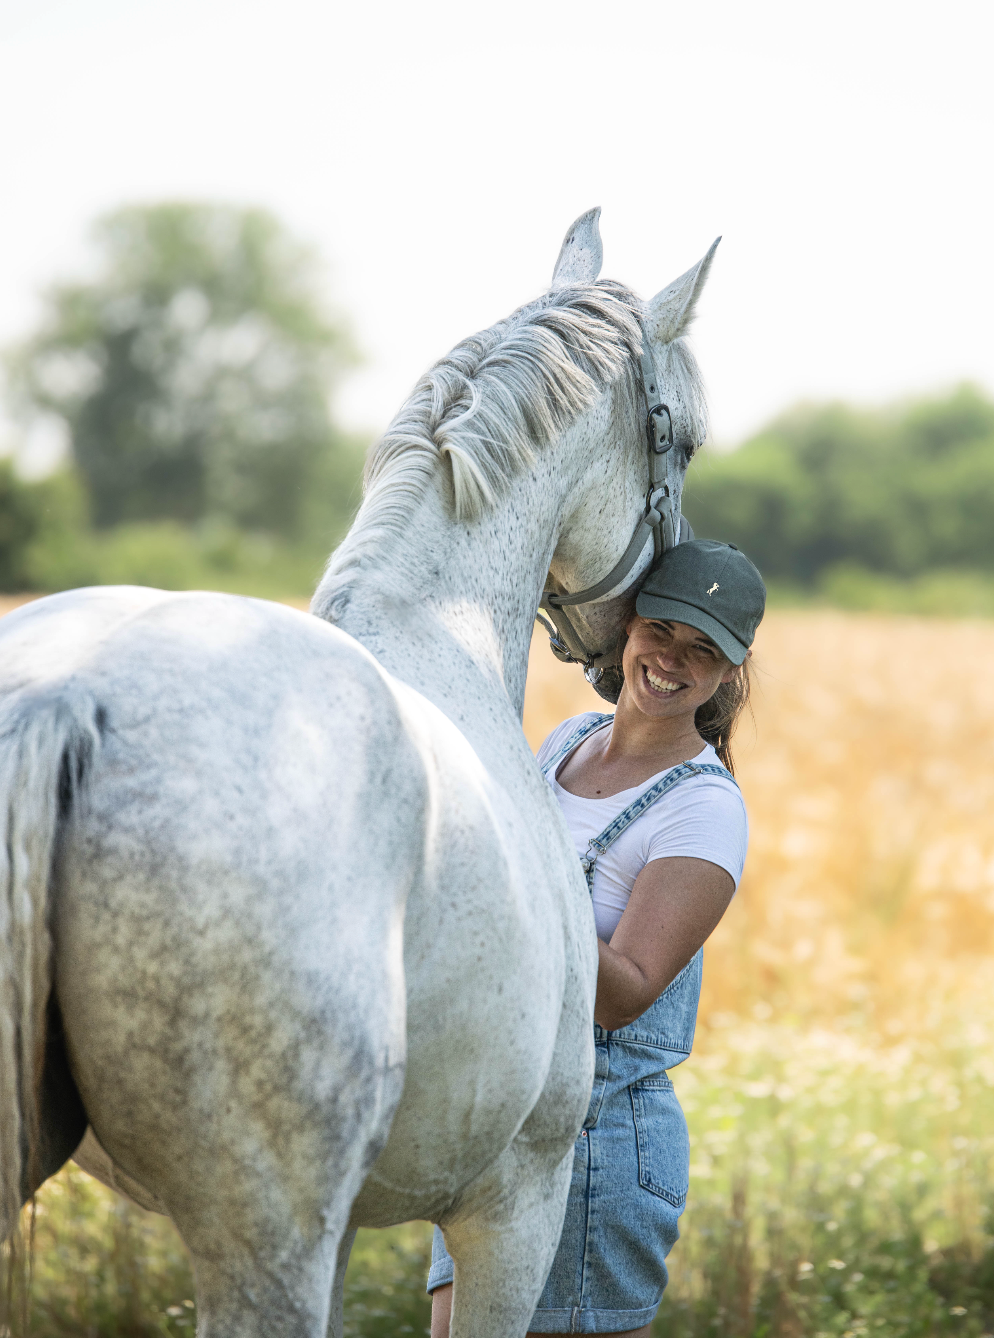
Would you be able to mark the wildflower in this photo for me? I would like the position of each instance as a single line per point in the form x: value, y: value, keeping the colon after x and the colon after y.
x: 957, y: 1310
x: 836, y: 1263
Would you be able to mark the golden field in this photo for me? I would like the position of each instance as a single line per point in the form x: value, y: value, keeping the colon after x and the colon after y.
x: 841, y: 1093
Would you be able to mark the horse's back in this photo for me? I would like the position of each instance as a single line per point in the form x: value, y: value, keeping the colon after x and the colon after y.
x: 217, y: 713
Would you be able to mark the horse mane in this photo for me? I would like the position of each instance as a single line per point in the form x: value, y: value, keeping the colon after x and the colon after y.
x: 486, y: 406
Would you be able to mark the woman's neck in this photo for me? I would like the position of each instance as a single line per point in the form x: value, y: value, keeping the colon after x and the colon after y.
x: 635, y: 748
x: 662, y: 742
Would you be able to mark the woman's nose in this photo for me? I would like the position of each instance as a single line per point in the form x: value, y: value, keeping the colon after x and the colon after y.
x: 669, y: 659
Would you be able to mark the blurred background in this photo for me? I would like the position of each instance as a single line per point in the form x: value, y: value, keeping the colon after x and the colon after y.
x: 232, y: 237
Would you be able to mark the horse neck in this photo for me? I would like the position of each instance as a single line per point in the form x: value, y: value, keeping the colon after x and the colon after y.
x: 448, y: 607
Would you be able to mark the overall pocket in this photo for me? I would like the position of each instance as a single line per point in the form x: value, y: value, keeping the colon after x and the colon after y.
x: 663, y: 1141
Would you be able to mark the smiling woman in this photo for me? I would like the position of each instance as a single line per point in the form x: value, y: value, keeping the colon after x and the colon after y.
x: 659, y: 824
x: 719, y: 597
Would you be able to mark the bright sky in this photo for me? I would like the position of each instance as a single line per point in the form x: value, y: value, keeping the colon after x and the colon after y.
x: 436, y: 153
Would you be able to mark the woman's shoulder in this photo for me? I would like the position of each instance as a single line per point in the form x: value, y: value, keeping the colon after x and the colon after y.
x: 708, y: 757
x: 706, y: 800
x: 717, y: 787
x: 554, y: 741
x: 704, y: 817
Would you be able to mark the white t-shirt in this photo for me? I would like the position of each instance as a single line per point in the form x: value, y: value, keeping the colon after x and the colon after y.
x: 703, y: 817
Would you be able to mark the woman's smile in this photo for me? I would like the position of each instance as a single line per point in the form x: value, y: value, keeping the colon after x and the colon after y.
x: 659, y: 684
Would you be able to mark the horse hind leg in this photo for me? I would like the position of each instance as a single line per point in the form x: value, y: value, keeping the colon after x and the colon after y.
x: 504, y: 1235
x: 336, y: 1318
x: 267, y: 1259
x: 258, y: 1159
x: 503, y: 1242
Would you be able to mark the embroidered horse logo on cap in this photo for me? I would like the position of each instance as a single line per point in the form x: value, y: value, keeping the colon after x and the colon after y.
x: 713, y: 588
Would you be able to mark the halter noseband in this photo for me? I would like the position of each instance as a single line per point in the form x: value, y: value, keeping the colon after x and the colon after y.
x: 666, y: 526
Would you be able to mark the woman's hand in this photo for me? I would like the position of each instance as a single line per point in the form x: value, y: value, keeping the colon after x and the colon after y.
x: 674, y: 906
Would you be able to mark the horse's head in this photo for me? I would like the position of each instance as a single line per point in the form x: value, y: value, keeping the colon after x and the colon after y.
x: 626, y: 504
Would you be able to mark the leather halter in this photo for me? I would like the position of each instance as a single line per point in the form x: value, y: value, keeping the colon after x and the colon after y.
x: 659, y: 519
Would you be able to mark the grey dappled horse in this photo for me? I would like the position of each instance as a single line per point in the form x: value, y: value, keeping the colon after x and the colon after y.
x: 289, y: 917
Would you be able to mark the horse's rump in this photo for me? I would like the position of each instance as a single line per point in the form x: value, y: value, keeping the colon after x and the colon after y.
x: 228, y: 890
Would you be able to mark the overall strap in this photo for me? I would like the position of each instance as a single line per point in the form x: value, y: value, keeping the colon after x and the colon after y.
x: 598, y: 844
x: 577, y: 737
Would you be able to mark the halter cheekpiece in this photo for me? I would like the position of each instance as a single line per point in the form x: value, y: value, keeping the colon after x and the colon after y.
x: 660, y: 519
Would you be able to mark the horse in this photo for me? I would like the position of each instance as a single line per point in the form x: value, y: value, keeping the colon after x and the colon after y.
x: 290, y: 924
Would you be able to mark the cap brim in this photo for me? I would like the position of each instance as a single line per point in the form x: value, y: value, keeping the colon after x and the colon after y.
x: 674, y: 610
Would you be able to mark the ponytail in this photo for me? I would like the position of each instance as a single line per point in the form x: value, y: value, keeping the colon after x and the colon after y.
x: 716, y: 719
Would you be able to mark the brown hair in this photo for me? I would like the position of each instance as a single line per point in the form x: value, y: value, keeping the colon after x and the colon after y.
x: 715, y: 720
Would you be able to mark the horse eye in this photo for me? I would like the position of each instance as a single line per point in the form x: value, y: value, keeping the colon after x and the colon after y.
x: 688, y: 445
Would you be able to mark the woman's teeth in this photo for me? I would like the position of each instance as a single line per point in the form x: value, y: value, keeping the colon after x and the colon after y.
x: 661, y: 684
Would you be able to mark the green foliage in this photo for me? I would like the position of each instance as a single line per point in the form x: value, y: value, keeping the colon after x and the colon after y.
x: 40, y: 524
x: 169, y: 556
x: 46, y: 544
x: 897, y: 493
x: 385, y: 1282
x: 193, y: 374
x: 19, y: 521
x: 939, y: 593
x: 102, y: 1267
x: 841, y: 1182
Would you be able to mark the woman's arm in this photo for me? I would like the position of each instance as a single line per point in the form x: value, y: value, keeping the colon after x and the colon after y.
x: 674, y: 906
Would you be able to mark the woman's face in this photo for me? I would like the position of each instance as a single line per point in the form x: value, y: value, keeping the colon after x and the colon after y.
x: 670, y: 668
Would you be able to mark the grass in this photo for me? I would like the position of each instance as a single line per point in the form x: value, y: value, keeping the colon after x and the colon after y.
x: 942, y: 593
x: 841, y: 1092
x: 841, y: 1183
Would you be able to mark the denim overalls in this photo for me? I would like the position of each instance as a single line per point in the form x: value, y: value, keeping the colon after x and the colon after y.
x: 631, y: 1163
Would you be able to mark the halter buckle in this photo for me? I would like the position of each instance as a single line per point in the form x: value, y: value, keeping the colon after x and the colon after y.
x: 659, y: 429
x: 561, y: 651
x: 557, y: 645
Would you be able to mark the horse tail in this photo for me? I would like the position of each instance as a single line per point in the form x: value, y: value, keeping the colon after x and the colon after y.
x: 48, y: 742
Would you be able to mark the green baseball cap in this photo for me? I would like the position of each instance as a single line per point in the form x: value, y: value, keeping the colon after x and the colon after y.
x: 710, y: 586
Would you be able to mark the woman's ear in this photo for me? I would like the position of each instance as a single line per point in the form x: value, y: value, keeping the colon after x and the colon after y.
x: 732, y: 671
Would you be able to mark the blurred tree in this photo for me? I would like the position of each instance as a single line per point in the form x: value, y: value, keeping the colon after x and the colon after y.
x: 900, y: 491
x: 193, y: 373
x: 42, y: 517
x: 18, y: 526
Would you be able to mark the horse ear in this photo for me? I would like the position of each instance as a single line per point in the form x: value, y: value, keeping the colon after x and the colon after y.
x: 582, y: 253
x: 670, y: 312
